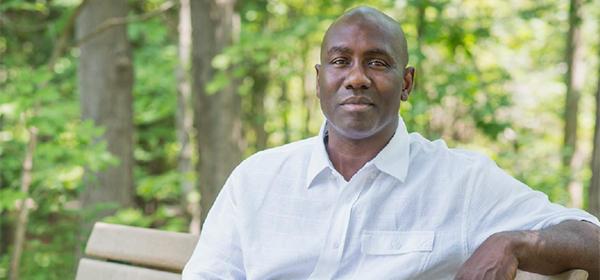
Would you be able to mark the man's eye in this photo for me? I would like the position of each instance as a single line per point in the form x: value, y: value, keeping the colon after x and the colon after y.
x: 338, y: 62
x: 378, y: 63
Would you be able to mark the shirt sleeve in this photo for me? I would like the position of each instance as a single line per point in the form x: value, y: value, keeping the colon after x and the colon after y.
x: 502, y: 203
x: 218, y: 254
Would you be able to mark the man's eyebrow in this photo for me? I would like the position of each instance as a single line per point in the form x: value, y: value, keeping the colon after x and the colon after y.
x: 338, y: 49
x: 377, y: 51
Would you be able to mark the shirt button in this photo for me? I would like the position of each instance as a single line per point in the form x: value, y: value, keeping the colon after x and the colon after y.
x: 335, y: 245
x: 348, y: 199
x: 397, y: 245
x: 333, y: 176
x: 373, y: 176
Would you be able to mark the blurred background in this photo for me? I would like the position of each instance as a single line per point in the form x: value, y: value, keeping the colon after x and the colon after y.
x: 135, y: 112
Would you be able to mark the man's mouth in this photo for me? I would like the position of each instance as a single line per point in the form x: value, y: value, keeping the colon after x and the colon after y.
x: 357, y: 104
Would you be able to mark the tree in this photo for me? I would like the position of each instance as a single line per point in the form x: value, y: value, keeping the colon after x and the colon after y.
x: 184, y: 119
x: 594, y: 190
x: 574, y: 80
x: 217, y: 115
x: 105, y: 77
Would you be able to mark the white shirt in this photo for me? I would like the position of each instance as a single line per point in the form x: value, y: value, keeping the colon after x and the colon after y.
x: 416, y: 211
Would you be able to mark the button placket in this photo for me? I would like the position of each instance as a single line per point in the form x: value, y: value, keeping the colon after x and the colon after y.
x: 338, y: 229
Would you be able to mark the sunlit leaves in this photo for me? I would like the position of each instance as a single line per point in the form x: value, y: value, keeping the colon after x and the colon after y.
x: 160, y: 187
x: 164, y: 218
x: 129, y: 217
x: 8, y: 197
x: 21, y: 5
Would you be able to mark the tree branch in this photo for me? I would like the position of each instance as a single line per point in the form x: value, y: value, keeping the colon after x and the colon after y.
x: 121, y: 20
x: 61, y: 47
x: 26, y: 202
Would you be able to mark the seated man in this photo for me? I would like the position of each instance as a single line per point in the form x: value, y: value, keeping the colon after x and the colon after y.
x: 366, y: 200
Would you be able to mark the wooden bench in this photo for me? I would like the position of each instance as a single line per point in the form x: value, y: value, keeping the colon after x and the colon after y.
x: 124, y: 252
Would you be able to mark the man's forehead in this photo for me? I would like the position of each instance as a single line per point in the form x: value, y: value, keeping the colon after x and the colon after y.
x: 354, y: 32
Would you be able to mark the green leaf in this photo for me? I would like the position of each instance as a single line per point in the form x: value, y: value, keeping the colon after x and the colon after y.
x: 221, y: 62
x: 22, y: 5
x: 8, y: 197
x: 48, y: 94
x: 129, y: 217
x: 219, y: 82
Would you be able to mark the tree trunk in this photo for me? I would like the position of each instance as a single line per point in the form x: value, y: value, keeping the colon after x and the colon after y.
x: 309, y: 94
x: 184, y: 124
x: 284, y: 107
x: 594, y: 190
x: 105, y: 77
x: 216, y: 116
x: 308, y: 101
x: 574, y: 80
x: 259, y: 117
x: 26, y: 203
x: 421, y: 28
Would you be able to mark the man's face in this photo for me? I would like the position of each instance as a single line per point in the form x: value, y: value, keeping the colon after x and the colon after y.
x: 360, y: 79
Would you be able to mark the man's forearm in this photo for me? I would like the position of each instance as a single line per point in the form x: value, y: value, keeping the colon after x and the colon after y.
x: 568, y: 245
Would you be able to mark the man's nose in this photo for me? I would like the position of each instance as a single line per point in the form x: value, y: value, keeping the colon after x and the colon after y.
x: 357, y: 78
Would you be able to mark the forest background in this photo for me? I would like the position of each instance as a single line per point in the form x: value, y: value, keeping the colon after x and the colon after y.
x: 109, y: 110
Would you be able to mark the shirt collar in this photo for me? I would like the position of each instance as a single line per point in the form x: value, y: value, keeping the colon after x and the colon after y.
x: 319, y: 160
x: 393, y: 159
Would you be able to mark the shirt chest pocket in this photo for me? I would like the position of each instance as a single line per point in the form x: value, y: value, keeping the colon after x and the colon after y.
x: 394, y: 254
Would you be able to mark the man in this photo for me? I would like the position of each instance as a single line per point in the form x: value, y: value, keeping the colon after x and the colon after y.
x: 366, y: 200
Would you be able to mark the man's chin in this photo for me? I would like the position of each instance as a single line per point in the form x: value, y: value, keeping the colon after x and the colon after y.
x: 358, y: 131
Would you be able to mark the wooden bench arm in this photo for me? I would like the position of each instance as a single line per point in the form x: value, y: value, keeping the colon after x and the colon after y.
x: 141, y: 246
x: 573, y: 274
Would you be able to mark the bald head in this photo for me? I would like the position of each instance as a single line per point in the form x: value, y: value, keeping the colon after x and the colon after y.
x: 378, y: 21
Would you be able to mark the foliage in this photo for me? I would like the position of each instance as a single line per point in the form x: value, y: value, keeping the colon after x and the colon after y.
x: 489, y: 78
x: 66, y: 146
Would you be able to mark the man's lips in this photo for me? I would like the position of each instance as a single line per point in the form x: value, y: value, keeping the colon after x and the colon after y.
x: 357, y: 103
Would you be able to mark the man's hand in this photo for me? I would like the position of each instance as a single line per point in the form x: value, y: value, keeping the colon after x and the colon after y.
x: 568, y: 245
x: 494, y: 259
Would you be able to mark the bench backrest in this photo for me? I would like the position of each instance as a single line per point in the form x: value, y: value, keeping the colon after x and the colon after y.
x: 125, y: 252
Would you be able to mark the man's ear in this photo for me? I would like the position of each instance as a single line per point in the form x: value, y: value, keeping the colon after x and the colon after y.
x: 407, y: 83
x: 318, y: 67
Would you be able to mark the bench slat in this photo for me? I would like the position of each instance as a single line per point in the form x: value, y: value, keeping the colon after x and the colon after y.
x: 573, y: 274
x: 147, y: 247
x: 89, y: 269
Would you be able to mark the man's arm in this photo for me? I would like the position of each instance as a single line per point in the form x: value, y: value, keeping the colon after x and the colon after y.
x: 568, y: 245
x: 218, y: 254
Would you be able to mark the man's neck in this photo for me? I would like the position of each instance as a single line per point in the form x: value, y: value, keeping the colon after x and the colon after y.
x: 348, y: 156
